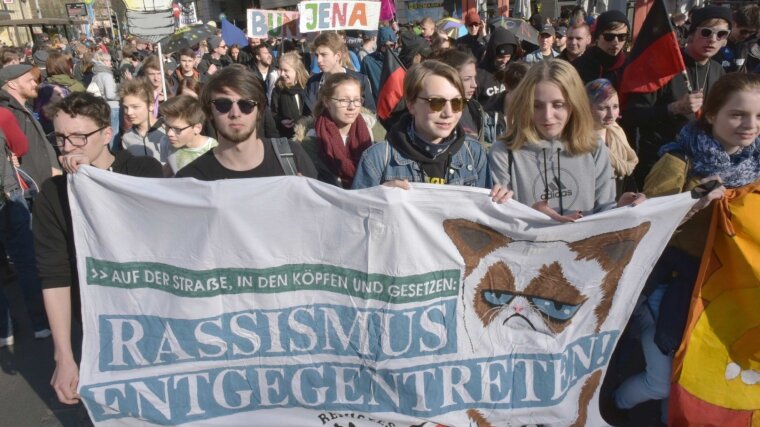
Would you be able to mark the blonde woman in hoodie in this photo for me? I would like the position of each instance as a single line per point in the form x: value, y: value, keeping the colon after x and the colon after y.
x: 551, y: 156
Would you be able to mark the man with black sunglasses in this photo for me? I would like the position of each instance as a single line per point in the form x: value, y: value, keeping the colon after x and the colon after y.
x: 605, y: 60
x: 235, y: 101
x: 659, y: 116
x: 735, y: 55
x: 83, y: 133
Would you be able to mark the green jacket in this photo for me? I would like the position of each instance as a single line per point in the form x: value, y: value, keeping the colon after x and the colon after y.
x: 66, y: 81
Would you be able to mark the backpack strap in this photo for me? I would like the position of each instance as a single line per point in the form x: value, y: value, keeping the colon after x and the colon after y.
x: 510, y: 162
x: 285, y: 155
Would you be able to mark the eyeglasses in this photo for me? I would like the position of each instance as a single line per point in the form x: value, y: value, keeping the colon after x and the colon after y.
x: 176, y: 131
x: 708, y: 33
x: 608, y: 37
x: 345, y: 103
x: 437, y: 104
x: 474, y: 24
x: 224, y: 105
x: 75, y: 139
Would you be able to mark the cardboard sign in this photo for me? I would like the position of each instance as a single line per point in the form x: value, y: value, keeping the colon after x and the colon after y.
x: 272, y: 23
x: 339, y: 15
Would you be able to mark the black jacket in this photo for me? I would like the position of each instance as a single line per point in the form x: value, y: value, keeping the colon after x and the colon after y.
x: 474, y: 44
x: 488, y: 85
x: 314, y: 83
x: 598, y: 64
x: 287, y: 103
x: 648, y: 113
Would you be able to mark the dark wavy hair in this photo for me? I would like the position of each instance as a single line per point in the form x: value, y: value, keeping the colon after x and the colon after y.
x: 236, y: 78
x: 82, y: 104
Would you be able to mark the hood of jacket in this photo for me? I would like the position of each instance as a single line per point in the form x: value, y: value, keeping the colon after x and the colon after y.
x: 101, y: 68
x: 63, y: 80
x: 499, y: 36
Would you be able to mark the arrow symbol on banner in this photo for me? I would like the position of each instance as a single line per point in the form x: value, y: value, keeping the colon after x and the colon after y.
x: 95, y: 274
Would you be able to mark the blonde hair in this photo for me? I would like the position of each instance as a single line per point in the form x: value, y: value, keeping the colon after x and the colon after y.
x: 416, y: 76
x: 293, y: 59
x: 578, y: 134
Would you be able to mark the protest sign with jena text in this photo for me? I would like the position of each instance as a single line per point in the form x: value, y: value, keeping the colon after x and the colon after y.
x: 338, y: 15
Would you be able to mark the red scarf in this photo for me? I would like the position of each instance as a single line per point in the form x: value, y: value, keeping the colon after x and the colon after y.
x: 342, y: 158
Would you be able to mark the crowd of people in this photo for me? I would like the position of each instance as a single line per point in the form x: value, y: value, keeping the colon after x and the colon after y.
x: 541, y: 124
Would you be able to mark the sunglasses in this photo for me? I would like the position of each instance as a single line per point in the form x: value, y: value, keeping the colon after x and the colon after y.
x: 708, y: 33
x: 224, y: 105
x: 437, y: 104
x: 608, y: 37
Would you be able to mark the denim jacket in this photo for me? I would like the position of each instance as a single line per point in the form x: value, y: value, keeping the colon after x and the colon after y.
x: 381, y: 163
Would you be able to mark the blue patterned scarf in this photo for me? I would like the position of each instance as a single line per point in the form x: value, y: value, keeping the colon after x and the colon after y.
x: 708, y: 157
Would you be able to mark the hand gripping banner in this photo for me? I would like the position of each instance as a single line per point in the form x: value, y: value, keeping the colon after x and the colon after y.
x: 294, y: 303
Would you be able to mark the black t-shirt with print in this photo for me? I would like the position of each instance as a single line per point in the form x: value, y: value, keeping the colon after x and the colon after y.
x: 208, y: 168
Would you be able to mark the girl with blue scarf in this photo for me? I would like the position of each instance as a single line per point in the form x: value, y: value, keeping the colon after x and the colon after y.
x: 724, y: 144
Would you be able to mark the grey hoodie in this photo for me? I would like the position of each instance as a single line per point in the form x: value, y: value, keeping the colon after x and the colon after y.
x: 103, y: 78
x: 154, y: 144
x: 572, y: 183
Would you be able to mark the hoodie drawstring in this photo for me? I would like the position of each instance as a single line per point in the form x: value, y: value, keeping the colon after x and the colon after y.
x: 559, y: 184
x: 546, y: 178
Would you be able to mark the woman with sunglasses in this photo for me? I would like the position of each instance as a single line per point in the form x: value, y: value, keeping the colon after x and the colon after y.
x: 429, y: 144
x: 551, y: 157
x: 340, y: 130
x: 661, y: 114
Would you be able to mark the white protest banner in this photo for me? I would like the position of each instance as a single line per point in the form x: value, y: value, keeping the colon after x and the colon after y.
x: 272, y: 23
x: 416, y: 10
x: 338, y: 15
x: 295, y: 303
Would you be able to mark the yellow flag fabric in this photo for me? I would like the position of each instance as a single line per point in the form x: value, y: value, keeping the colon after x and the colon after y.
x: 717, y: 369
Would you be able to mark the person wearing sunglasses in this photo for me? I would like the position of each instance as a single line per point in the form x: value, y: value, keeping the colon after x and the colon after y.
x: 183, y: 124
x: 605, y: 60
x: 340, y: 131
x: 658, y: 116
x: 235, y: 102
x: 735, y: 55
x: 551, y: 157
x: 82, y: 124
x: 475, y: 39
x: 429, y: 144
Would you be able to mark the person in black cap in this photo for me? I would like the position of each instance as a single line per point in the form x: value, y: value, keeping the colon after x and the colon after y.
x: 502, y: 46
x: 606, y: 60
x: 660, y: 115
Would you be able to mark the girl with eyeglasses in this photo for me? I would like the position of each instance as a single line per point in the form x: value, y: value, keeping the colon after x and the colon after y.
x: 429, y: 144
x: 551, y: 157
x: 340, y: 131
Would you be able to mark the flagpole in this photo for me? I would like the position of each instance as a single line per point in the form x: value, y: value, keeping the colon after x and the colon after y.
x: 161, y: 65
x: 688, y: 82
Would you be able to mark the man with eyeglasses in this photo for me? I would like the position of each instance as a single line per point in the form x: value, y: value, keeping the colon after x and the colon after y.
x: 82, y: 125
x: 235, y: 101
x: 659, y: 116
x: 735, y: 55
x: 183, y: 124
x: 606, y: 60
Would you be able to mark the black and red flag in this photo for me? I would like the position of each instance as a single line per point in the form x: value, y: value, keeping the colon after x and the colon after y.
x: 390, y: 99
x: 656, y: 57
